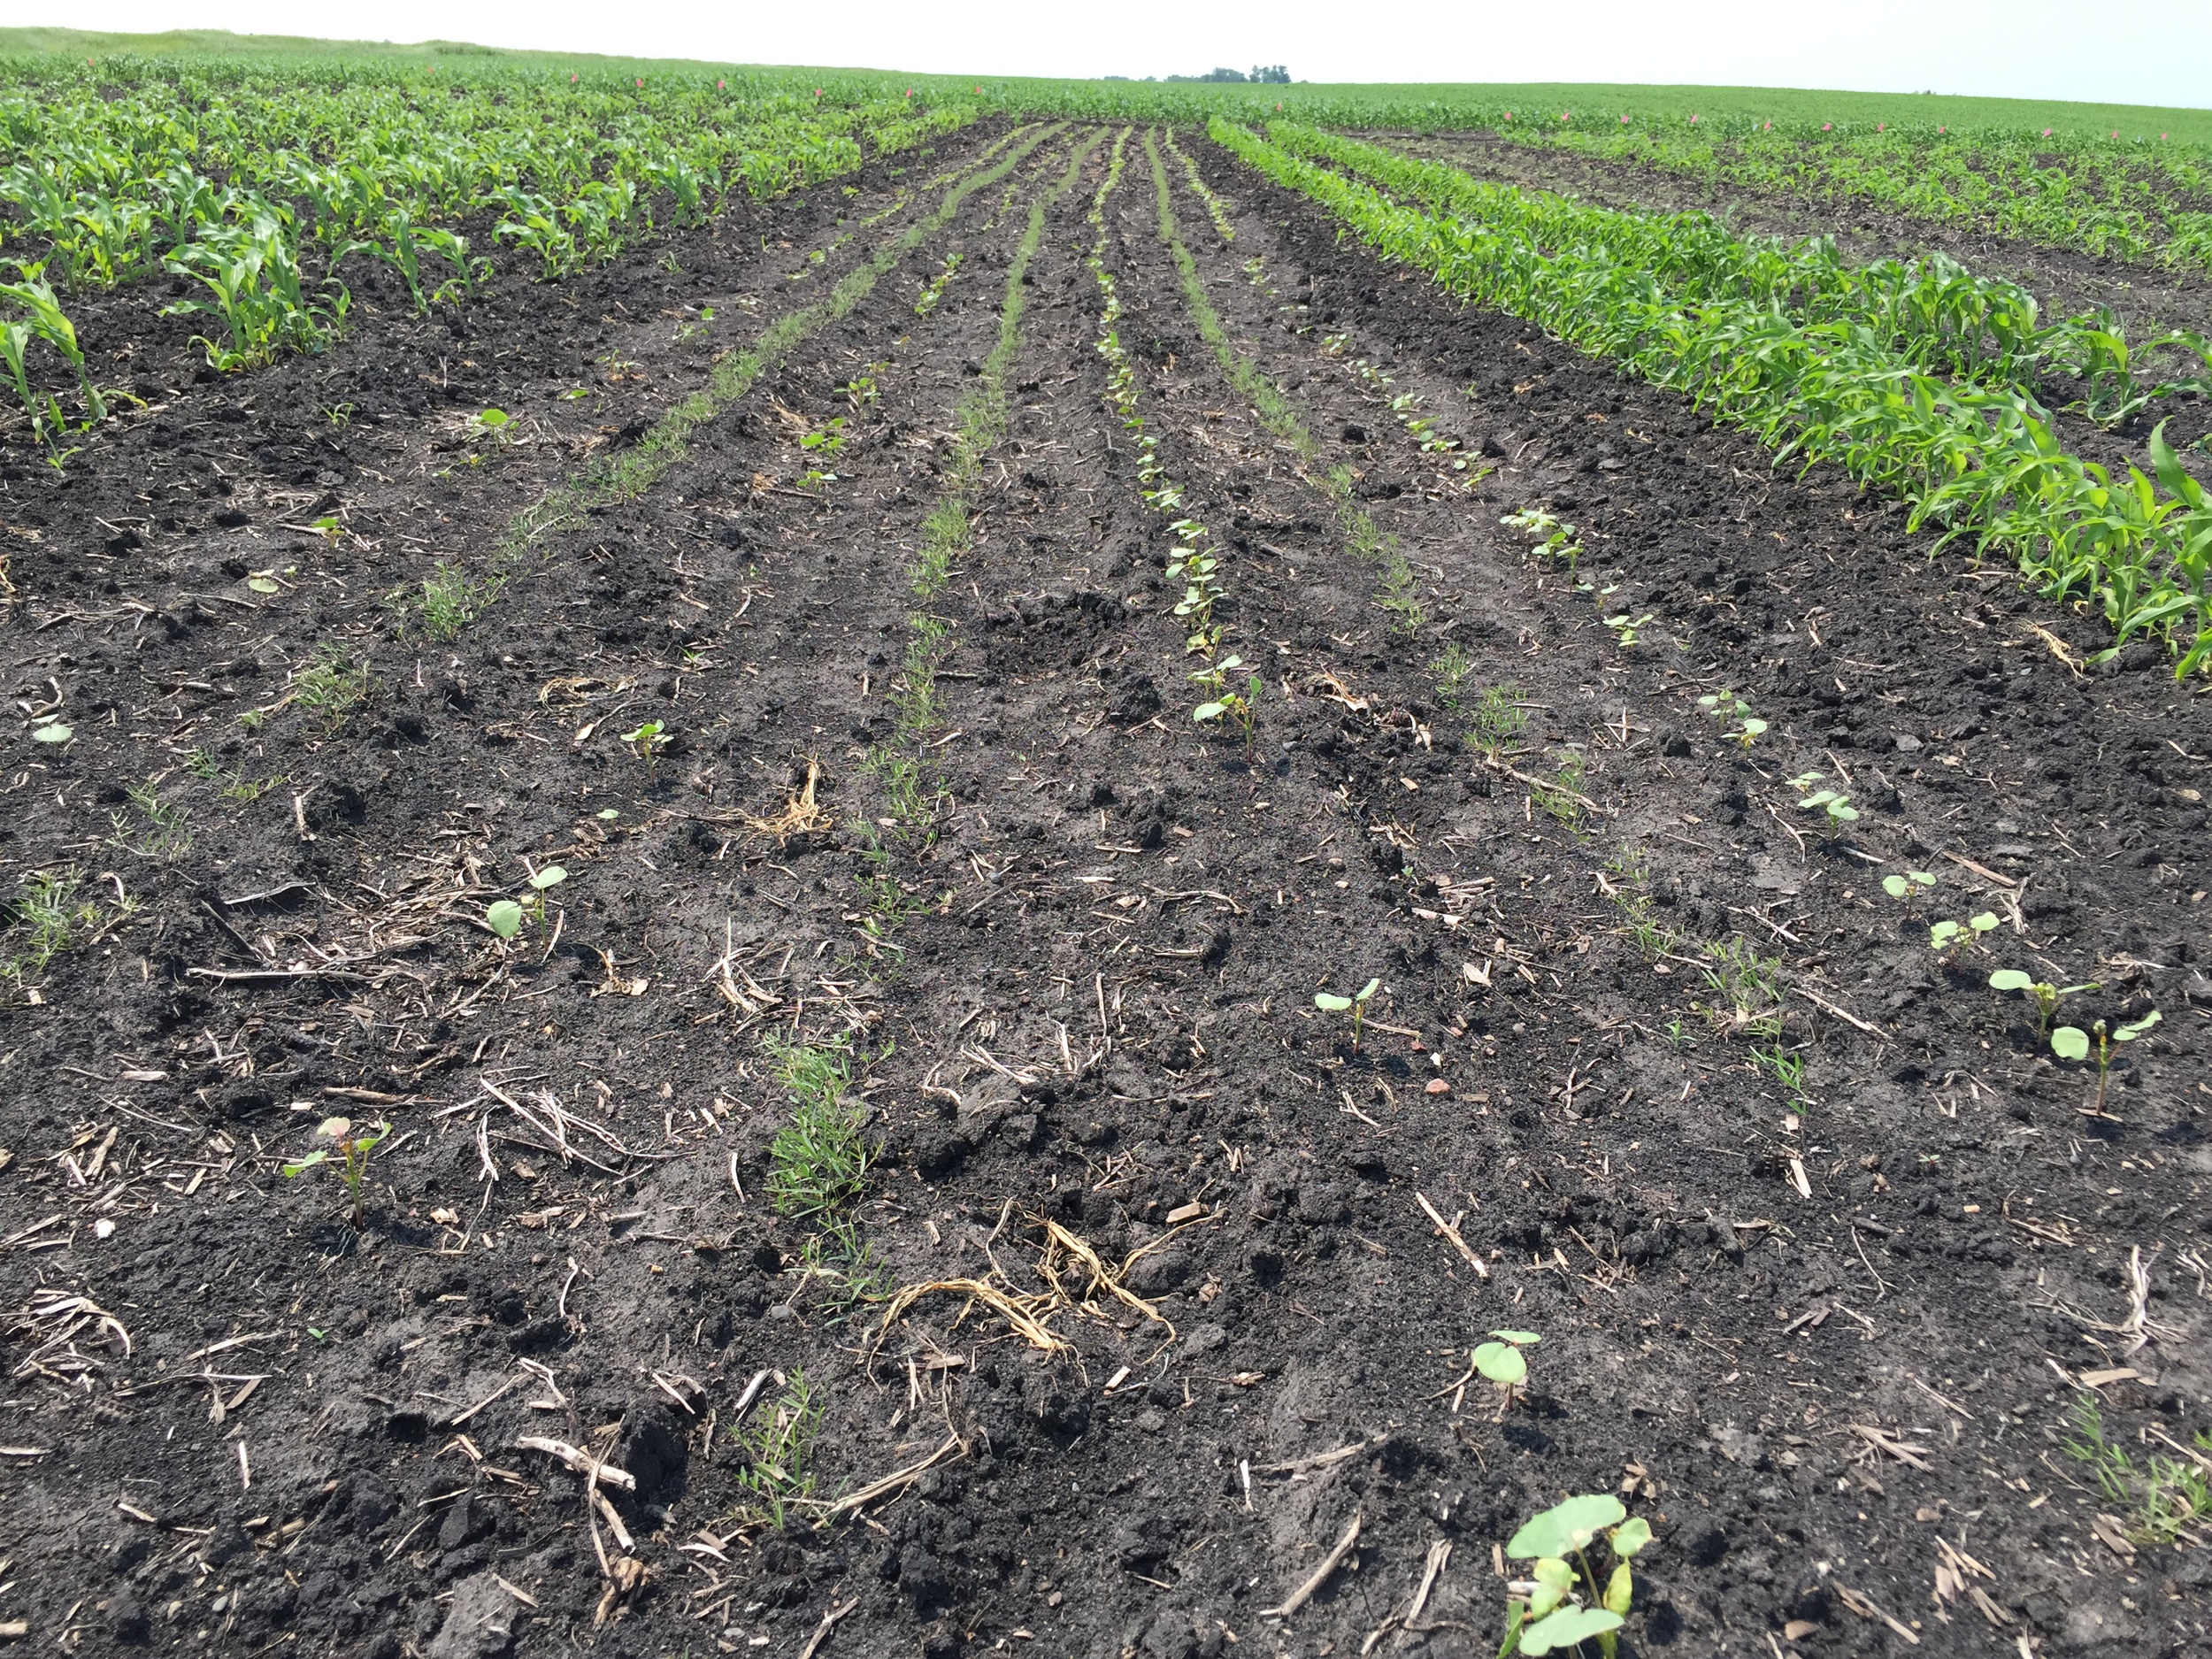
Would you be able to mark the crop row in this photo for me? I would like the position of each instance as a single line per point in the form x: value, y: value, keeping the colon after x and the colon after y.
x: 1973, y: 463
x: 2097, y: 193
x: 257, y: 191
x: 1933, y: 313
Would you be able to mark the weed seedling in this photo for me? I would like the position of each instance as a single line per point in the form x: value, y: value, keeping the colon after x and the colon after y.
x: 1356, y: 1004
x: 1948, y: 936
x: 1547, y: 1614
x: 1504, y: 1364
x: 1909, y: 889
x: 353, y: 1152
x: 2045, y: 995
x: 2176, y: 1496
x: 2071, y: 1042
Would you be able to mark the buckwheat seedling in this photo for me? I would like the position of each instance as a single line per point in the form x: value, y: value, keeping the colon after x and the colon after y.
x: 353, y: 1151
x: 1948, y: 936
x: 1545, y: 1612
x: 1909, y: 889
x: 1503, y: 1363
x: 2045, y: 995
x: 2071, y: 1042
x: 1356, y: 1004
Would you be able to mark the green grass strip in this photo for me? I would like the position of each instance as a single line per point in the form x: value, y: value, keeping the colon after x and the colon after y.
x: 982, y: 414
x: 628, y: 476
x: 1280, y: 417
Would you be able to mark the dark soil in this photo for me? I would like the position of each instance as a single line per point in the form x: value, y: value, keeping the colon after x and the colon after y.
x: 1084, y: 999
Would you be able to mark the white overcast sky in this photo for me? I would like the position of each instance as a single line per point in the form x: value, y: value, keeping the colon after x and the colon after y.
x: 2131, y: 51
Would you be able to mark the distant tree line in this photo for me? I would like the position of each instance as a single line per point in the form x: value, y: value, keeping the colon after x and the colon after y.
x: 1262, y: 74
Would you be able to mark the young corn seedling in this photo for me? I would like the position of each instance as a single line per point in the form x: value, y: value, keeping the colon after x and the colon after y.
x: 353, y: 1150
x: 2044, y: 995
x: 1909, y: 889
x: 2071, y: 1042
x: 1948, y: 937
x: 1504, y: 1364
x: 1547, y: 1613
x: 1837, y: 807
x: 1356, y: 1004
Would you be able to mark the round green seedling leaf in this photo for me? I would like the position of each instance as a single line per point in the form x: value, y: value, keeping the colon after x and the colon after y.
x: 1521, y: 1339
x: 1209, y: 712
x: 1630, y: 1536
x: 551, y: 876
x: 1562, y: 1630
x: 609, y: 814
x: 1328, y: 1002
x: 2009, y: 979
x: 1566, y: 1527
x: 1985, y: 923
x: 1896, y: 887
x: 503, y: 916
x: 262, y: 585
x: 53, y: 732
x: 2071, y: 1042
x: 1367, y: 990
x: 1553, y: 1580
x: 2130, y: 1032
x: 300, y: 1165
x: 1502, y: 1364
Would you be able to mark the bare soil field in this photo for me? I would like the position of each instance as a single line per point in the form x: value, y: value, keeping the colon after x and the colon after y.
x: 1148, y: 1330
